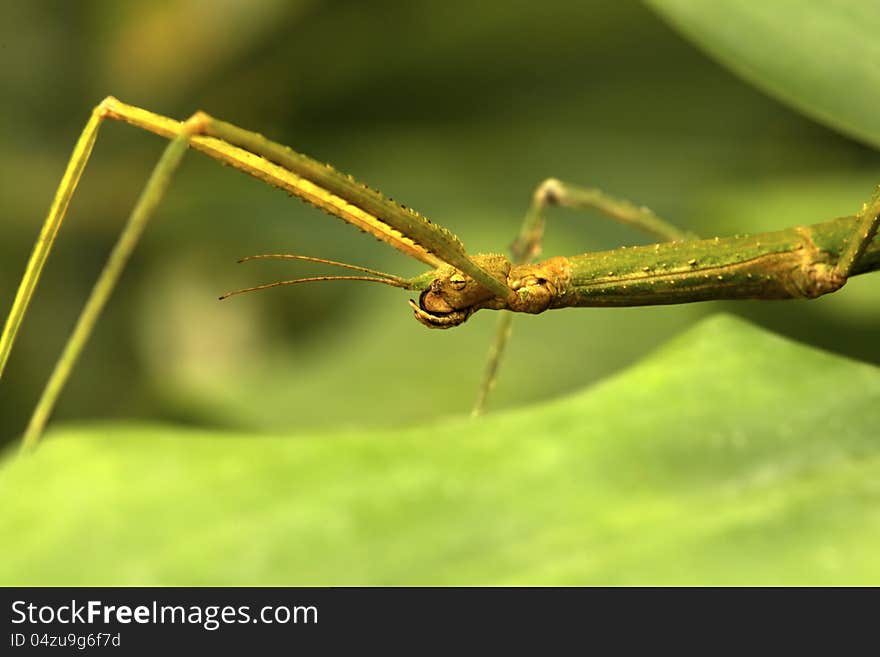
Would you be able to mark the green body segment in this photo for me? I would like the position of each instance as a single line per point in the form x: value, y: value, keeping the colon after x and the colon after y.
x: 792, y: 263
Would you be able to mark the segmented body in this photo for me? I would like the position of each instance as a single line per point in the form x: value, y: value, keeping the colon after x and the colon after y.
x: 795, y: 263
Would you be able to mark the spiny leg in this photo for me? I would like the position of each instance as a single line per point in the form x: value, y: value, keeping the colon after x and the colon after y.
x: 320, y: 185
x: 527, y: 245
x: 149, y: 200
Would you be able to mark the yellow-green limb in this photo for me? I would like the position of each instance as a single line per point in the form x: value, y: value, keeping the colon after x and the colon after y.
x: 146, y: 205
x: 493, y: 361
x: 78, y: 160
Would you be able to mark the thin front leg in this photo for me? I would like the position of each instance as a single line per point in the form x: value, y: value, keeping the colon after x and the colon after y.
x: 528, y: 244
x: 153, y: 192
x: 75, y: 166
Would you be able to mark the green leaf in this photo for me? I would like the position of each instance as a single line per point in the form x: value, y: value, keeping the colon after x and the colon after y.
x: 731, y: 456
x: 819, y: 57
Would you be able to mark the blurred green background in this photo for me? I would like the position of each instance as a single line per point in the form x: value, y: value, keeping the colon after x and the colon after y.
x: 457, y: 109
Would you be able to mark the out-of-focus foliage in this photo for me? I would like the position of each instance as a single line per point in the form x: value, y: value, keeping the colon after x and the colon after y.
x: 732, y: 456
x: 822, y: 57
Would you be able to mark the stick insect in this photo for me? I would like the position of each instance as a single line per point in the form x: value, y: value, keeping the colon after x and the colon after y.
x: 799, y: 262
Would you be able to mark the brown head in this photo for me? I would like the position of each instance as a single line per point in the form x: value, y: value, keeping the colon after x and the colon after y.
x: 451, y: 297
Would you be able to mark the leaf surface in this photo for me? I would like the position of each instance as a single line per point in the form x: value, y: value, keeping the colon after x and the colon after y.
x: 729, y: 456
x: 822, y: 58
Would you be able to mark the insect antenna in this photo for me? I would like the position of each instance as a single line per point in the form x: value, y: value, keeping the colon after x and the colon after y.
x: 374, y: 277
x: 313, y: 279
x: 324, y: 261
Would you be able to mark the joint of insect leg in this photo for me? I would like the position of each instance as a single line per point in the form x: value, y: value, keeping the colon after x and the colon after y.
x: 196, y: 124
x: 549, y: 192
x: 107, y: 107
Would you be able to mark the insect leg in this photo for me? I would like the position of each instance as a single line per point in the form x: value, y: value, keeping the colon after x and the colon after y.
x: 66, y: 188
x: 554, y: 192
x: 527, y: 245
x: 149, y: 199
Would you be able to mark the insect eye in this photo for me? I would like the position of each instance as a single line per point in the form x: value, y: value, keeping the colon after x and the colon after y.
x: 457, y: 282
